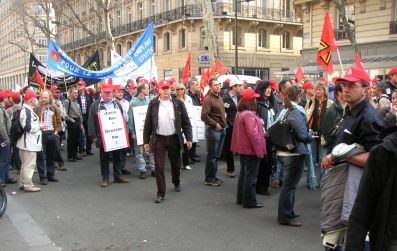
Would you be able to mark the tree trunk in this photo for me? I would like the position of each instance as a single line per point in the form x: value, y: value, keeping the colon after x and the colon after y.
x: 208, y: 19
x: 346, y: 26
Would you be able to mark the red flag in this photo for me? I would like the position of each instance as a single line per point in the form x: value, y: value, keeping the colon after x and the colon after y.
x: 299, y: 75
x: 218, y: 69
x: 39, y: 80
x: 209, y: 74
x: 187, y: 73
x: 359, y: 64
x: 203, y: 81
x: 327, y: 44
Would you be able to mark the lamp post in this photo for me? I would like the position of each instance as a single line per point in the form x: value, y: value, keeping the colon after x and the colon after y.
x: 235, y: 34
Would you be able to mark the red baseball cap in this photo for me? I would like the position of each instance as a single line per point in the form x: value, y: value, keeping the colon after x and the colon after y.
x: 145, y: 81
x: 81, y: 82
x: 15, y: 95
x: 154, y: 82
x: 354, y: 75
x: 131, y: 85
x: 163, y: 83
x: 227, y: 81
x: 308, y: 85
x: 249, y: 94
x: 118, y: 88
x: 273, y: 84
x: 54, y: 88
x: 107, y: 88
x: 322, y: 79
x: 393, y: 71
x: 172, y: 80
x: 2, y: 94
x: 375, y: 80
x: 29, y: 95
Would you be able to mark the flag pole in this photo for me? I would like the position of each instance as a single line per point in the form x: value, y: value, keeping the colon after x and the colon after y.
x: 340, y: 61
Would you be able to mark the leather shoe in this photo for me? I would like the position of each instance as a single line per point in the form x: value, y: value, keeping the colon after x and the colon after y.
x: 78, y: 158
x: 11, y: 181
x: 125, y: 171
x: 257, y: 205
x: 104, y: 183
x: 121, y: 180
x: 195, y: 158
x: 53, y: 179
x: 291, y: 223
x: 72, y: 160
x: 142, y: 175
x: 90, y: 153
x: 62, y: 168
x: 43, y: 182
x: 178, y: 188
x: 159, y: 199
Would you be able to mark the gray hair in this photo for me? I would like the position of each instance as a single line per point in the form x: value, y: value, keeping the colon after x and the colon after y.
x: 192, y: 81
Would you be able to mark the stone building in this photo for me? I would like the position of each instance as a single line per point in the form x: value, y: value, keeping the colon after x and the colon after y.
x: 269, y: 34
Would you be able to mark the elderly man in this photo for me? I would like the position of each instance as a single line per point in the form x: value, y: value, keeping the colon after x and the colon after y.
x: 85, y: 101
x: 106, y: 102
x: 74, y: 124
x: 56, y: 95
x: 166, y: 118
x: 382, y: 100
x: 194, y: 93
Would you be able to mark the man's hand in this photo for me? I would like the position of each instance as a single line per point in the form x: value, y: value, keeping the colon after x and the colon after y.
x: 189, y: 145
x: 41, y: 124
x: 327, y: 162
x: 218, y: 127
x: 146, y: 147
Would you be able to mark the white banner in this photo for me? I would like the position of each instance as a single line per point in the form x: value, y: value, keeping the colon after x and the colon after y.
x: 199, y: 124
x: 192, y: 116
x: 139, y: 120
x: 113, y: 130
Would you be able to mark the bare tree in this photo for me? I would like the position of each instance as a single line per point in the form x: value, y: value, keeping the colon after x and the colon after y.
x: 209, y: 26
x: 105, y: 7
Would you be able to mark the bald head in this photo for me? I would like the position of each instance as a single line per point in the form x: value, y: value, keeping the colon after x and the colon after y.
x: 45, y: 98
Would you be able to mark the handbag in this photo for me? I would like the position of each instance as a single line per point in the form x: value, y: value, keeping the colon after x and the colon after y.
x: 281, y: 135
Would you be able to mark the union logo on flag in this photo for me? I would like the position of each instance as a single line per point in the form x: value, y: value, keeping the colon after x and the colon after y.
x: 326, y: 57
x: 55, y: 56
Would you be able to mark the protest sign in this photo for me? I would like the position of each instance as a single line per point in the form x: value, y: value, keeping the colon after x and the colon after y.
x: 113, y: 130
x: 139, y: 121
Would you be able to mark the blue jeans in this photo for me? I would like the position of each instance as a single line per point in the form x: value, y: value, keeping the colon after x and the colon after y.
x: 318, y: 153
x: 215, y: 141
x: 140, y: 158
x: 5, y: 156
x: 246, y: 188
x: 292, y: 170
x: 45, y: 158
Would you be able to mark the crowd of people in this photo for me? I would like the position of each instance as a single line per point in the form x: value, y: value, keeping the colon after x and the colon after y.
x: 321, y: 115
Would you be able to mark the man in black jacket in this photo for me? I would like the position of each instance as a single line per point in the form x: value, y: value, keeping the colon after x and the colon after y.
x: 85, y: 101
x: 230, y: 100
x: 193, y: 92
x: 392, y: 84
x: 166, y: 118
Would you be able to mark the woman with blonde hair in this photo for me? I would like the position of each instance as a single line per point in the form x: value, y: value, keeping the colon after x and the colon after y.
x: 180, y: 90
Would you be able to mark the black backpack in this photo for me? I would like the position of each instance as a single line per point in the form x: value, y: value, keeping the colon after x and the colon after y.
x: 16, y: 128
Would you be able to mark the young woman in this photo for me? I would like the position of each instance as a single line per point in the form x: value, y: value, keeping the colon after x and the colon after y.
x: 180, y: 90
x: 249, y: 141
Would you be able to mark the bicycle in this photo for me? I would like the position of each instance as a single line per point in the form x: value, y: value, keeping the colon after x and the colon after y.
x: 3, y: 201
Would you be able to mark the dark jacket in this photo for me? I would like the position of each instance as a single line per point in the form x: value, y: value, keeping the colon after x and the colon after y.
x: 230, y: 108
x: 333, y: 115
x: 94, y: 131
x: 375, y: 208
x: 389, y: 88
x: 213, y: 111
x: 195, y: 97
x: 89, y: 101
x: 278, y: 103
x: 263, y: 110
x: 181, y: 123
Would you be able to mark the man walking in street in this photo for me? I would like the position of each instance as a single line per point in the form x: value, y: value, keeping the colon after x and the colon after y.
x: 56, y: 95
x: 141, y: 100
x: 50, y: 116
x: 73, y: 120
x: 193, y: 92
x: 213, y: 115
x: 166, y: 118
x: 85, y: 100
x: 106, y: 102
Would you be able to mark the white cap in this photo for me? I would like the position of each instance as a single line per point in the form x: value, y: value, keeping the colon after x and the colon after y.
x: 234, y: 82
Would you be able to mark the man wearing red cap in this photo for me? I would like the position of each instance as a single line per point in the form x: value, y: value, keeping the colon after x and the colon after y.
x: 166, y: 118
x: 85, y: 101
x: 391, y: 85
x: 106, y: 102
x: 5, y: 126
x: 131, y: 88
x: 30, y: 142
x: 15, y: 99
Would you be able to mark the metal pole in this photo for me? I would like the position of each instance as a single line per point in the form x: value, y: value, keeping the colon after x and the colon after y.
x: 235, y: 39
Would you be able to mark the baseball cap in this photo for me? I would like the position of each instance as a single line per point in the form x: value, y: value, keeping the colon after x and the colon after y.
x: 234, y: 82
x: 393, y: 71
x: 81, y: 82
x: 354, y: 75
x: 163, y: 83
x: 15, y: 95
x: 172, y: 80
x: 323, y: 79
x: 54, y: 88
x: 107, y: 87
x: 227, y: 81
x: 249, y: 94
x: 273, y: 84
x: 308, y: 85
x: 131, y: 85
x: 29, y: 95
x: 118, y: 88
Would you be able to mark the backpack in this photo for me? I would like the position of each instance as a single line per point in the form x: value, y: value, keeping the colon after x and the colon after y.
x: 16, y: 129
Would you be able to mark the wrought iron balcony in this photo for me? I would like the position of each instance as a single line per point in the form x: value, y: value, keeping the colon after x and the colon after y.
x: 221, y: 10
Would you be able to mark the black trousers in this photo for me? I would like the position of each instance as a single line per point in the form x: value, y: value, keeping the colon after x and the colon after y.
x: 88, y: 141
x: 105, y: 160
x: 226, y: 149
x: 57, y: 155
x: 162, y: 145
x: 265, y: 170
x: 185, y: 156
x: 73, y: 138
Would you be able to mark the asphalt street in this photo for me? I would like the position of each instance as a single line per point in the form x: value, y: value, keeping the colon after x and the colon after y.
x: 77, y: 214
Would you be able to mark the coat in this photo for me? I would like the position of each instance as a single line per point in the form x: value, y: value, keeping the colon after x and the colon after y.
x: 230, y: 108
x: 248, y: 136
x: 31, y: 140
x: 332, y: 116
x: 181, y: 122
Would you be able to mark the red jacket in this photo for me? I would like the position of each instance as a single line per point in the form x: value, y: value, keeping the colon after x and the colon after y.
x: 248, y: 135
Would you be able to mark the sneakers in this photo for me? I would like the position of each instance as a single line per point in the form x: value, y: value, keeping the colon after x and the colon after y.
x: 187, y: 168
x: 142, y: 175
x: 31, y: 189
x: 213, y: 183
x: 159, y: 199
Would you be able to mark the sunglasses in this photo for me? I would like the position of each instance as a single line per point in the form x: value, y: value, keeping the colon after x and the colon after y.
x: 180, y: 89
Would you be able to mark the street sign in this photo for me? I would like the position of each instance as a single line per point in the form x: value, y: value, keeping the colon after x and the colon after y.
x: 204, y: 59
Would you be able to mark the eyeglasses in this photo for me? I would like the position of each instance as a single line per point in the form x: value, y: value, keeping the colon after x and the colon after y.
x: 165, y: 88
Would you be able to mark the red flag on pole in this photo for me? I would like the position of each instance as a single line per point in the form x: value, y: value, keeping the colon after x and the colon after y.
x: 187, y: 73
x: 39, y: 80
x: 359, y: 64
x: 299, y: 75
x: 327, y: 44
x: 204, y: 80
x: 210, y: 74
x: 218, y: 69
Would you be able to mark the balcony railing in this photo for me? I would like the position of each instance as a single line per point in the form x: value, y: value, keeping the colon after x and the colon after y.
x: 220, y: 10
x: 341, y: 34
x: 393, y: 27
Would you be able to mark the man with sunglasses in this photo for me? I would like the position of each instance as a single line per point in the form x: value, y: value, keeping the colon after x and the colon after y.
x: 166, y: 118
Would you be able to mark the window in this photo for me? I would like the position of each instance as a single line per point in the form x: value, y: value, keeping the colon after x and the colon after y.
x: 286, y: 7
x: 286, y: 40
x: 118, y: 49
x: 129, y: 45
x: 153, y: 7
x: 239, y: 37
x: 262, y: 38
x: 139, y: 10
x: 182, y: 3
x: 182, y: 39
x: 167, y: 5
x: 118, y: 18
x: 167, y: 41
x: 203, y: 42
x: 350, y: 15
x: 129, y: 15
x: 154, y: 44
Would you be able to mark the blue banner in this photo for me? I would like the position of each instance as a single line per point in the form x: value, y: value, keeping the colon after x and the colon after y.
x: 140, y: 52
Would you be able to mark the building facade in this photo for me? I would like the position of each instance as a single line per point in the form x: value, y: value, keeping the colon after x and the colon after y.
x: 14, y: 44
x: 375, y: 27
x: 269, y: 34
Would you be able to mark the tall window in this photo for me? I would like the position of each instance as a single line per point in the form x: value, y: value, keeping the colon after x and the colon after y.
x: 262, y: 38
x: 167, y: 41
x: 167, y: 5
x: 129, y: 44
x: 239, y: 37
x: 118, y: 49
x: 118, y: 18
x: 203, y: 36
x: 129, y: 15
x: 286, y: 40
x: 182, y: 3
x: 139, y: 10
x: 153, y: 7
x: 394, y: 10
x: 182, y: 39
x: 154, y: 44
